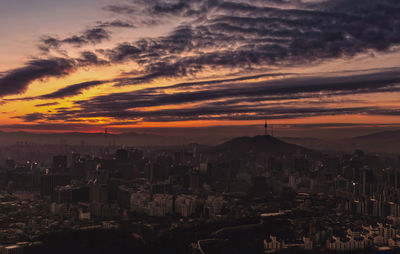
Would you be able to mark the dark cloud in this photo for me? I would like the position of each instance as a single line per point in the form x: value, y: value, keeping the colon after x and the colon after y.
x: 121, y: 9
x: 153, y: 12
x: 90, y: 58
x: 241, y: 34
x: 115, y: 24
x: 235, y: 36
x: 94, y: 36
x: 122, y: 52
x: 16, y: 81
x: 52, y: 127
x: 47, y: 104
x: 204, y: 84
x: 76, y: 89
x: 48, y: 42
x: 268, y: 90
x: 239, y: 99
x: 67, y: 91
x: 32, y: 117
x: 245, y: 113
x: 222, y: 113
x: 70, y: 90
x: 90, y: 36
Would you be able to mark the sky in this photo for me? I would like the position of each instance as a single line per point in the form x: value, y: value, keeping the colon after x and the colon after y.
x: 86, y: 65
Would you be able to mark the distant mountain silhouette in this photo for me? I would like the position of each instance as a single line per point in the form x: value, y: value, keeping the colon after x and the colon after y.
x: 384, y: 142
x: 78, y: 138
x: 259, y: 145
x: 378, y: 142
x: 392, y: 135
x: 311, y: 143
x: 101, y: 139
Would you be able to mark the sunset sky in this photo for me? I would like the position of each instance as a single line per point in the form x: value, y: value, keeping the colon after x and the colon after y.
x: 84, y: 65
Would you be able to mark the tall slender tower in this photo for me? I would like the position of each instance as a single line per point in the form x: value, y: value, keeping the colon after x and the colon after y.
x: 265, y: 128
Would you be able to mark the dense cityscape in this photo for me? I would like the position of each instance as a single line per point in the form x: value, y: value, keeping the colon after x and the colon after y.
x: 247, y: 195
x: 199, y: 126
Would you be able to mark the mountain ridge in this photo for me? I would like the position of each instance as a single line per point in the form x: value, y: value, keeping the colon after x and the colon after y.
x: 261, y: 144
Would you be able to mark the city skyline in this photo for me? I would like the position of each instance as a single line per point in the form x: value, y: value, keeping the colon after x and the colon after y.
x: 125, y: 65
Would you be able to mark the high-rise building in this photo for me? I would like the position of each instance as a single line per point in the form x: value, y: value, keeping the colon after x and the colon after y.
x: 99, y: 193
x: 59, y: 164
x: 50, y: 181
